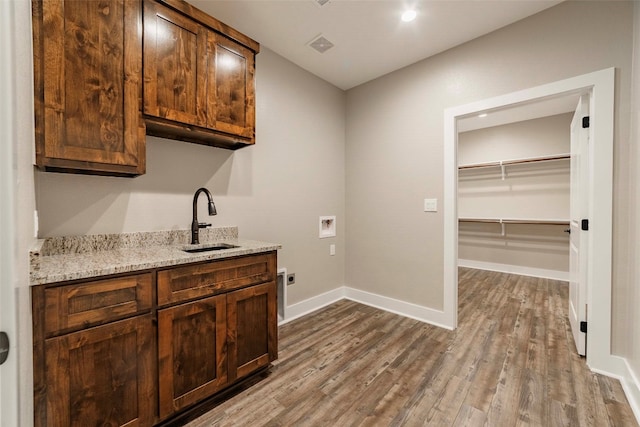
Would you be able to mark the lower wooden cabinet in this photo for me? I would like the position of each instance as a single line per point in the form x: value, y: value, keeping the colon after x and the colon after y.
x: 103, y: 374
x: 192, y: 353
x: 252, y: 323
x: 109, y: 352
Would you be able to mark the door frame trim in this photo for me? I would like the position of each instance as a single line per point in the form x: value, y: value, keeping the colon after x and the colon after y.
x: 601, y: 84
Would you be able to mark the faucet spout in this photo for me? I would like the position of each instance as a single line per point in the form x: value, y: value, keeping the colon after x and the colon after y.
x: 195, y: 225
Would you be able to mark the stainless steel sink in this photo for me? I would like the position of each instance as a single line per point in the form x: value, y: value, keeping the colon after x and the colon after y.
x: 215, y: 247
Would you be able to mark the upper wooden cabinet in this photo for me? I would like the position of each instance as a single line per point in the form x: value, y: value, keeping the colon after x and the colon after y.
x: 88, y: 75
x: 99, y: 88
x: 198, y: 77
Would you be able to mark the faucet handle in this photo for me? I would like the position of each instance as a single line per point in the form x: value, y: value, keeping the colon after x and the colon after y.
x: 203, y: 225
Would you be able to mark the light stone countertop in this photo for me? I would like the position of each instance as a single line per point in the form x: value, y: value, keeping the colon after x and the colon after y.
x: 61, y: 259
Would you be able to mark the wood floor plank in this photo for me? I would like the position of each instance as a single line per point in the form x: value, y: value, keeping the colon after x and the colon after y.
x: 511, y: 362
x: 468, y: 416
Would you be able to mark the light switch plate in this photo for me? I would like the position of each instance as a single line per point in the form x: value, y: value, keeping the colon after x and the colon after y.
x: 431, y: 205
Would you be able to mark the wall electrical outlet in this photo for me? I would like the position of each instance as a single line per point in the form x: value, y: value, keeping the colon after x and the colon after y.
x: 291, y: 278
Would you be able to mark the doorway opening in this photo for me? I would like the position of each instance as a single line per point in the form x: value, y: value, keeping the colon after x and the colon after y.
x: 600, y: 85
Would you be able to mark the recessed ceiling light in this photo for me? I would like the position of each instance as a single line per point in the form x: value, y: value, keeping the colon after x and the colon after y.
x: 409, y: 15
x: 482, y: 115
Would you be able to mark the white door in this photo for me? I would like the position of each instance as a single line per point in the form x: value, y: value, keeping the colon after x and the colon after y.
x: 578, y: 213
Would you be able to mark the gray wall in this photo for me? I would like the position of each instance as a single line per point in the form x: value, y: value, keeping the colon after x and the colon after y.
x: 274, y: 191
x: 277, y: 189
x: 395, y: 134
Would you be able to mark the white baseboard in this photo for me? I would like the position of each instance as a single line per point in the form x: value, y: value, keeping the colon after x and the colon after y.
x: 402, y: 308
x: 620, y: 369
x: 631, y: 387
x: 406, y: 309
x: 515, y: 269
x: 307, y: 306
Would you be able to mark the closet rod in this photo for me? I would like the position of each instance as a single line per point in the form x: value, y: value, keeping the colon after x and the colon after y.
x: 516, y: 161
x: 516, y: 221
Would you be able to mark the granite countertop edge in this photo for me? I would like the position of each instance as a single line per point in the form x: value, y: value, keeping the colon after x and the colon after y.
x: 63, y: 267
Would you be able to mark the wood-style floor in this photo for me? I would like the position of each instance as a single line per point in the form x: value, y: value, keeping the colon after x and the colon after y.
x: 511, y: 362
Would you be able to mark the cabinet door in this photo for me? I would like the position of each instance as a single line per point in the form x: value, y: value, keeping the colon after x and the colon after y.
x: 88, y: 68
x: 192, y: 352
x: 231, y: 107
x: 253, y: 329
x: 102, y: 376
x: 175, y: 62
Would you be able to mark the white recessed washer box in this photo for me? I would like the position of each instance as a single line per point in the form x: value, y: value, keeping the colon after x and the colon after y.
x: 327, y: 226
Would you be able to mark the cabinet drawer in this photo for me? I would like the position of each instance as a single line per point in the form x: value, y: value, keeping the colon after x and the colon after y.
x: 76, y: 306
x: 193, y: 281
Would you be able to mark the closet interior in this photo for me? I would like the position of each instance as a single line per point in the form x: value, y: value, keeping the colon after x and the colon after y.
x: 513, y: 197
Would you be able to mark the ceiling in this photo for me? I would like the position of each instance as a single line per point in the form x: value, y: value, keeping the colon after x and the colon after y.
x: 527, y: 111
x: 369, y: 38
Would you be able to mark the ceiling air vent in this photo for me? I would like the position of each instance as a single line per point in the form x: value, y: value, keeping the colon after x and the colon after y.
x: 321, y: 44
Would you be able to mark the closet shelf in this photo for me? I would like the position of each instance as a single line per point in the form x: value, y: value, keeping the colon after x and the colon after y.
x: 504, y: 221
x: 516, y: 221
x: 515, y: 161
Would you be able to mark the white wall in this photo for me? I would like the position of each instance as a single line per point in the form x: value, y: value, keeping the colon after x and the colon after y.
x: 274, y: 191
x: 395, y: 134
x: 532, y: 190
x: 629, y: 337
x: 530, y: 138
x: 529, y: 191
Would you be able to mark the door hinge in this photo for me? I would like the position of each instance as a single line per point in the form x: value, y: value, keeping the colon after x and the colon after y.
x: 584, y: 225
x: 583, y: 327
x: 585, y: 122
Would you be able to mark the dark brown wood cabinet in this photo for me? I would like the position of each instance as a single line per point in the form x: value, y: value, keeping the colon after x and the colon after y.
x: 95, y: 352
x: 175, y: 66
x: 192, y: 349
x: 252, y: 324
x: 198, y: 77
x: 88, y: 81
x: 231, y: 109
x: 103, y: 374
x: 138, y: 349
x: 224, y: 328
x: 96, y: 99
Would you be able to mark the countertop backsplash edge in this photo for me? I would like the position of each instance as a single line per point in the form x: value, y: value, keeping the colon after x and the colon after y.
x: 61, y: 259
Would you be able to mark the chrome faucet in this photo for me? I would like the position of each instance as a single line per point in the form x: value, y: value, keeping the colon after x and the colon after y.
x: 195, y: 225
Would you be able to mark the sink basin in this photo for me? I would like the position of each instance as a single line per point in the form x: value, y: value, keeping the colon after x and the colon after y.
x: 216, y: 247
